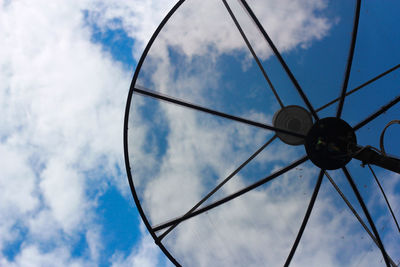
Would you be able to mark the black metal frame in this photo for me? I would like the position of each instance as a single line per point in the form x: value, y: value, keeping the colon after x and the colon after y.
x: 186, y: 104
x: 306, y: 217
x: 355, y: 213
x: 280, y: 58
x: 384, y: 195
x: 359, y: 87
x: 125, y: 136
x: 196, y: 209
x: 350, y: 59
x: 366, y: 212
x: 215, y: 189
x: 253, y: 53
x: 232, y: 196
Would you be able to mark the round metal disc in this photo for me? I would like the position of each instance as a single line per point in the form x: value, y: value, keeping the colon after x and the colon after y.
x: 293, y: 118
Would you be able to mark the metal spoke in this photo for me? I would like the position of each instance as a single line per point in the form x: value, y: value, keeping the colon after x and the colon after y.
x: 366, y: 212
x: 373, y: 116
x: 280, y: 58
x: 232, y: 196
x: 349, y: 60
x: 360, y: 87
x: 212, y: 112
x: 212, y: 192
x: 306, y: 217
x: 253, y: 53
x: 384, y: 195
x: 355, y: 213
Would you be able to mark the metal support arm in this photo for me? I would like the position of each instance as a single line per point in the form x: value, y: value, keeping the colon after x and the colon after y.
x: 368, y: 155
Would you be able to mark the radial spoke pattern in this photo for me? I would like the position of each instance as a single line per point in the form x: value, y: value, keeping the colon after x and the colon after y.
x: 280, y: 58
x: 212, y: 112
x: 260, y: 66
x: 349, y: 60
x: 199, y: 208
x: 232, y: 196
x: 366, y: 212
x: 306, y: 217
x: 212, y: 192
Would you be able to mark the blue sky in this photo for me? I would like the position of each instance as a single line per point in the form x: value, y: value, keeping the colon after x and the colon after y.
x: 66, y: 68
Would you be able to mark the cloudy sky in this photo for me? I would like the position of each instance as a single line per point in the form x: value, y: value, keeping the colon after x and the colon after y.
x: 65, y: 73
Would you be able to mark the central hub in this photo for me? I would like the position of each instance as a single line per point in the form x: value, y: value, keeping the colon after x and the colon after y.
x: 328, y: 142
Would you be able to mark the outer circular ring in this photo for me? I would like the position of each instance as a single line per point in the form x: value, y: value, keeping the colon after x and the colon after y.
x: 125, y: 137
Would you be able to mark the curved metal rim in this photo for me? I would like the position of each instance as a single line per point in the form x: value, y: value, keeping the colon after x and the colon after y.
x: 127, y: 113
x: 125, y: 135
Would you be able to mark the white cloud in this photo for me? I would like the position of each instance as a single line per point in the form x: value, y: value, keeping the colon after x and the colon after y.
x: 63, y: 191
x: 62, y: 104
x: 290, y: 23
x: 31, y: 256
x: 146, y: 254
x: 18, y: 198
x: 17, y: 182
x: 95, y: 244
x: 62, y: 100
x: 138, y: 18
